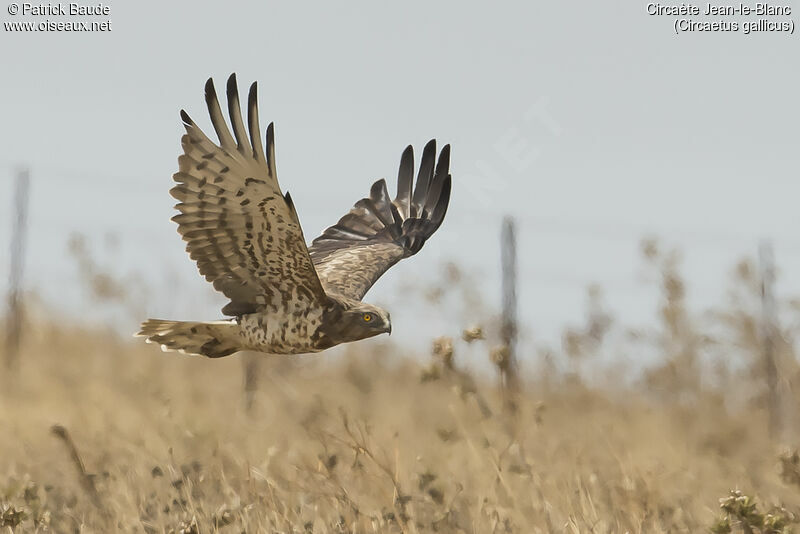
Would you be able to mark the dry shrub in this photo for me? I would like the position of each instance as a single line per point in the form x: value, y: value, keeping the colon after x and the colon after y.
x: 367, y: 439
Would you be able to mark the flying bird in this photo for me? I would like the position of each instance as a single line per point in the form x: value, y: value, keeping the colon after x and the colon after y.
x: 244, y: 234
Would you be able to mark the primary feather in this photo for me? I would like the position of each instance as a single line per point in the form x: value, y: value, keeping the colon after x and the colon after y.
x: 378, y: 232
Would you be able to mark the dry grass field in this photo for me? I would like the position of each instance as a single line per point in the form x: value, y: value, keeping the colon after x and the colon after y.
x: 100, y: 433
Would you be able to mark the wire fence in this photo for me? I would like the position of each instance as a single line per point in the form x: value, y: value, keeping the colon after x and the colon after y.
x: 536, y: 266
x: 125, y: 220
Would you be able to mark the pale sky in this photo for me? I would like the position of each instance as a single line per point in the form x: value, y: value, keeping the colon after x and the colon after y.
x: 592, y: 123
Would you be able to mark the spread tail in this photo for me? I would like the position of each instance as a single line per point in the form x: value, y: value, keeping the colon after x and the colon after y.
x: 213, y: 339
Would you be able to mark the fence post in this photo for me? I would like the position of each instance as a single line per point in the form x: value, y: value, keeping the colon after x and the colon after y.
x: 15, y: 320
x: 251, y: 366
x: 508, y: 331
x: 768, y: 333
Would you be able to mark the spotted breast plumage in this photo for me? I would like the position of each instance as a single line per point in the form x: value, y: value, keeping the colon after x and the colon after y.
x: 244, y: 234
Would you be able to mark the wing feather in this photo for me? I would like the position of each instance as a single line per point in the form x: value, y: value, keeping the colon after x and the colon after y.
x: 437, y: 185
x: 255, y: 129
x: 240, y: 229
x: 271, y: 150
x: 380, y: 202
x: 217, y: 119
x: 235, y: 112
x: 405, y: 182
x: 424, y: 177
x: 378, y: 232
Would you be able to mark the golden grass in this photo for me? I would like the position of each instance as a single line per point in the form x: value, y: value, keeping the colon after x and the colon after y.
x: 101, y: 434
x: 360, y: 444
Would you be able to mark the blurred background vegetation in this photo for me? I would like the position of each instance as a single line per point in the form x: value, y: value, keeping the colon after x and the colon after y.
x: 102, y: 433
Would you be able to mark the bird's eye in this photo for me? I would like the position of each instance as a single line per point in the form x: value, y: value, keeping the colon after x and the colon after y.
x: 367, y: 317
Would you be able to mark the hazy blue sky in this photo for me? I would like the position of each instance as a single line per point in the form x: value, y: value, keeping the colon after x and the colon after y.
x: 591, y: 122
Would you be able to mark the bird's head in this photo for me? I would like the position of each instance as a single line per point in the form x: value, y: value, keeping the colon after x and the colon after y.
x: 366, y: 320
x: 354, y: 321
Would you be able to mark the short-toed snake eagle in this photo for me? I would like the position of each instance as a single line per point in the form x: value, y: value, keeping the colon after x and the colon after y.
x: 244, y: 234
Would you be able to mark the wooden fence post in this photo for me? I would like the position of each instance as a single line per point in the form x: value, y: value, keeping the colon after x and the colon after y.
x: 251, y: 366
x: 15, y: 312
x: 508, y: 331
x: 769, y: 333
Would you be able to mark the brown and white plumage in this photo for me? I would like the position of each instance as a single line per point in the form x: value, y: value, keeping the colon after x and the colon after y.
x: 247, y: 241
x: 378, y: 232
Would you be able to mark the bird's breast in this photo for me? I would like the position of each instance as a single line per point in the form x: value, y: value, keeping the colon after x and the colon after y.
x: 287, y: 331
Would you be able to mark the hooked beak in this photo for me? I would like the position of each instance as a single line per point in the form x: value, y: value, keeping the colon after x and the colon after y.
x: 388, y: 327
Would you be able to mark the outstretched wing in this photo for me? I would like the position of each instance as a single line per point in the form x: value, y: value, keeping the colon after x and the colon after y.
x: 240, y: 229
x: 378, y: 232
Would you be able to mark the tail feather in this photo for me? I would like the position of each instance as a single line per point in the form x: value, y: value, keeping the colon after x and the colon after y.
x: 212, y: 339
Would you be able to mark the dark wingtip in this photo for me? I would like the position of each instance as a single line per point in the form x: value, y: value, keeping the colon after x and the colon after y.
x: 231, y: 85
x: 377, y: 189
x: 270, y: 149
x: 429, y: 153
x: 186, y: 118
x: 210, y: 90
x: 378, y: 182
x: 443, y: 165
x: 405, y: 181
x: 406, y: 164
x: 252, y: 120
x: 232, y: 92
x: 440, y: 210
x: 425, y: 176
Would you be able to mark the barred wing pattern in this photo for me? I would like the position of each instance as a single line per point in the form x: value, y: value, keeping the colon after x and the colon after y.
x: 378, y: 232
x: 241, y: 230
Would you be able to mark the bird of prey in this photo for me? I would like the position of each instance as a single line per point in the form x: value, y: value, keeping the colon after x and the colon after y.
x: 244, y: 234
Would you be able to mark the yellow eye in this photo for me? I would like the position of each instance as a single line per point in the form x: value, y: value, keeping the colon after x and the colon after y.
x: 367, y: 317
